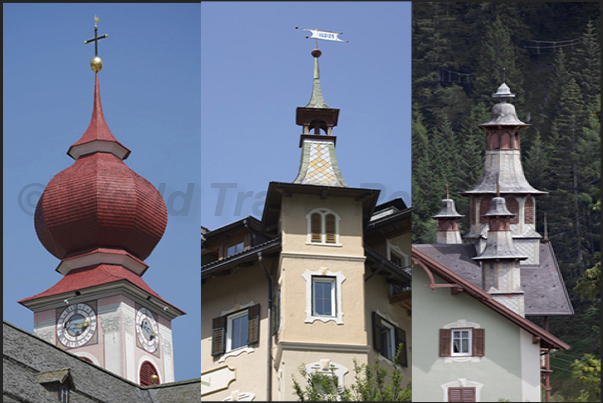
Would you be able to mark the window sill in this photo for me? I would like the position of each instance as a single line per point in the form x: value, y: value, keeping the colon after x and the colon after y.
x: 234, y: 353
x: 324, y: 319
x: 323, y: 244
x: 389, y: 361
x: 461, y: 358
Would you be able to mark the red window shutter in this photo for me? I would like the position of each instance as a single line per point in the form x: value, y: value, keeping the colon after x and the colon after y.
x: 218, y: 342
x: 146, y: 371
x: 315, y: 226
x: 454, y: 395
x: 445, y: 342
x: 479, y: 342
x: 330, y: 228
x: 467, y: 394
x: 461, y: 394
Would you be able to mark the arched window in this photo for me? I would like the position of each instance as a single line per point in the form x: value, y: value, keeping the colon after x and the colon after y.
x: 323, y: 227
x: 147, y: 370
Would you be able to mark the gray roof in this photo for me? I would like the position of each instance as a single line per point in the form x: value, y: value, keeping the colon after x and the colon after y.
x: 545, y: 292
x: 26, y: 356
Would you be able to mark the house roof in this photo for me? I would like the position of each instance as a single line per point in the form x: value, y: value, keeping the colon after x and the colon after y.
x: 26, y: 357
x: 248, y: 255
x: 545, y: 292
x: 447, y: 274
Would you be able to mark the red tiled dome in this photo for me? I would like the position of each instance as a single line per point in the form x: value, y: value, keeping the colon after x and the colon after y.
x: 100, y: 202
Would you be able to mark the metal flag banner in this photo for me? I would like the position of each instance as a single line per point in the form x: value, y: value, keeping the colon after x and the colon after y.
x: 327, y: 35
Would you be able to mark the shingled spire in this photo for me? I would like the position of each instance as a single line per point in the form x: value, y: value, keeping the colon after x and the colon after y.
x: 318, y: 164
x: 503, y: 168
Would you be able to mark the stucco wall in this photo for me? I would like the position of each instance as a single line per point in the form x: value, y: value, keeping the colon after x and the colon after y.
x: 228, y: 293
x: 496, y: 375
x: 376, y: 300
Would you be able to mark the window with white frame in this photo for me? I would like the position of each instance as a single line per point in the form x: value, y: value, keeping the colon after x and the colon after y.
x: 388, y: 338
x: 461, y: 342
x: 388, y: 348
x: 323, y: 296
x: 323, y: 227
x: 237, y: 330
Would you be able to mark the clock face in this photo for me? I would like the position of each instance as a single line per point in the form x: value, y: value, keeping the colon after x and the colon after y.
x: 147, y: 329
x: 76, y: 325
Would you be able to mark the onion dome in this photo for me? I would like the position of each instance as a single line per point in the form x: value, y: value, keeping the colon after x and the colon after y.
x: 99, y: 202
x: 447, y: 210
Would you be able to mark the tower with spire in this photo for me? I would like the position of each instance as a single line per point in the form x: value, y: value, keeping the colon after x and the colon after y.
x: 502, y: 167
x: 467, y: 339
x: 319, y: 279
x: 102, y: 220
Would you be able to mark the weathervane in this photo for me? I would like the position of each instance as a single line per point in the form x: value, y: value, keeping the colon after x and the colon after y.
x: 326, y: 35
x: 96, y: 63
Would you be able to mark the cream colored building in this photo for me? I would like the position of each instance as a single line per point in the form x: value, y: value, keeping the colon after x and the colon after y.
x: 319, y: 281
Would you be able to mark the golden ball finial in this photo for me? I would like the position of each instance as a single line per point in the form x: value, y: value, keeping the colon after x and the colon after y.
x: 154, y: 378
x: 96, y: 64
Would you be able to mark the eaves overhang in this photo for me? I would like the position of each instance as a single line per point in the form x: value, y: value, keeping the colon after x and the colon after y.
x: 393, y: 270
x: 210, y: 269
x: 276, y: 190
x: 547, y: 340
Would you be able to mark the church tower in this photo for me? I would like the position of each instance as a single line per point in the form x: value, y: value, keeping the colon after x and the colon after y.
x: 102, y: 220
x: 503, y: 168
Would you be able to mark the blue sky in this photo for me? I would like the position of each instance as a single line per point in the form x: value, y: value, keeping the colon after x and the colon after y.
x: 150, y: 88
x: 256, y: 68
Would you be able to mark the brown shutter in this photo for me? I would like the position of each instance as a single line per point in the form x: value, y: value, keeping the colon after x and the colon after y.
x: 276, y: 312
x: 330, y: 228
x: 445, y: 342
x: 146, y: 371
x: 401, y: 344
x: 454, y: 395
x: 461, y: 394
x: 377, y: 333
x: 467, y: 394
x: 316, y: 229
x: 479, y: 342
x: 253, y: 316
x: 218, y: 342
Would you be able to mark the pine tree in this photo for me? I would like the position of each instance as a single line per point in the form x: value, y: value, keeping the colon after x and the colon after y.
x: 587, y: 64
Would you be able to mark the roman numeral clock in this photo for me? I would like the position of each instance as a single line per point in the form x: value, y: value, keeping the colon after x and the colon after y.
x: 76, y: 325
x: 147, y: 331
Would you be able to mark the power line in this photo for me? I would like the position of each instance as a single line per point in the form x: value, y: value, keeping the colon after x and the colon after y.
x: 563, y: 369
x: 561, y: 359
x: 449, y: 76
x: 551, y: 44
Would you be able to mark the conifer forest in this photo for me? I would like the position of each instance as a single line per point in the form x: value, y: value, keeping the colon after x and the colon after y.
x: 551, y: 57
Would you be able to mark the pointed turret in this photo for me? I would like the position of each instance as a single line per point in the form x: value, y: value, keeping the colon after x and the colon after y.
x: 98, y: 137
x: 500, y: 259
x: 503, y: 168
x: 318, y: 164
x: 448, y: 222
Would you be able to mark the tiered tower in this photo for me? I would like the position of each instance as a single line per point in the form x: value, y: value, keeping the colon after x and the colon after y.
x: 448, y: 222
x: 503, y: 167
x: 101, y: 219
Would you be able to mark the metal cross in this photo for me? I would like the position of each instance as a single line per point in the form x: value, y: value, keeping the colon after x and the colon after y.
x: 96, y: 38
